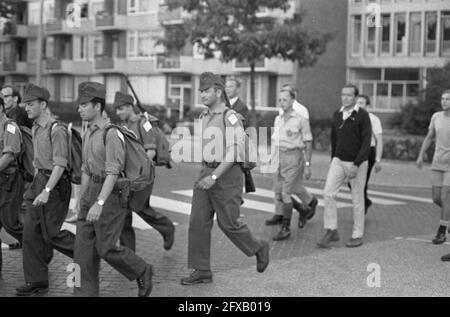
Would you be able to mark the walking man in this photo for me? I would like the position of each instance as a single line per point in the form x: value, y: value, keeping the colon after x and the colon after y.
x: 233, y: 89
x: 144, y: 131
x: 219, y: 188
x: 13, y: 111
x: 351, y: 133
x: 307, y: 207
x: 292, y: 137
x: 102, y: 216
x: 440, y: 176
x: 11, y: 181
x: 48, y: 197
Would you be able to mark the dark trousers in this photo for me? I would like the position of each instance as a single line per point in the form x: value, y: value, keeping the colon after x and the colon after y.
x: 11, y: 197
x: 140, y: 203
x: 96, y: 241
x: 372, y: 159
x: 223, y: 199
x: 42, y: 228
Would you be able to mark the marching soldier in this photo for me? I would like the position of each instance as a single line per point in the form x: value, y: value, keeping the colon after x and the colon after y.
x: 143, y: 129
x: 219, y: 189
x: 47, y: 198
x: 12, y: 106
x: 102, y: 216
x: 11, y: 180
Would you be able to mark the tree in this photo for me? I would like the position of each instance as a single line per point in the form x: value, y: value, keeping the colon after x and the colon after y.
x: 7, y: 11
x: 233, y: 28
x: 415, y: 118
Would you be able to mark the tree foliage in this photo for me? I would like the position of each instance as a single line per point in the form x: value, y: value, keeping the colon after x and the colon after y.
x: 415, y: 118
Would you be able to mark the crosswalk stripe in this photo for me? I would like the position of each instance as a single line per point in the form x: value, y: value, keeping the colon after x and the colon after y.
x: 398, y: 196
x: 269, y: 194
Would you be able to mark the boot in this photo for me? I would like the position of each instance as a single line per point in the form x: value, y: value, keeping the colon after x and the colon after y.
x: 274, y: 221
x: 330, y: 237
x: 441, y: 236
x: 285, y: 232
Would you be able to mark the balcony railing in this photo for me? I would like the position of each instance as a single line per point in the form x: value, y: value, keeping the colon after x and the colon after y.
x: 53, y: 25
x: 10, y: 66
x: 53, y: 64
x: 106, y: 20
x: 168, y: 63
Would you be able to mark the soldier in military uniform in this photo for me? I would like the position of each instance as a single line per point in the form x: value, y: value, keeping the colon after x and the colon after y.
x: 219, y: 188
x: 102, y: 216
x: 47, y: 198
x: 11, y: 180
x: 12, y: 106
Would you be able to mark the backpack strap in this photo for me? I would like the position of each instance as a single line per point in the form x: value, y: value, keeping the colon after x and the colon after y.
x: 69, y: 140
x: 225, y: 116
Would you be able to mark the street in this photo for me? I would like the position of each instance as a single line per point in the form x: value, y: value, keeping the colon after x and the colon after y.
x: 399, y: 229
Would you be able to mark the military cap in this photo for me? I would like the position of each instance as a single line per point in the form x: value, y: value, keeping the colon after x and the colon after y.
x: 122, y: 99
x: 208, y: 80
x: 88, y: 91
x: 33, y: 92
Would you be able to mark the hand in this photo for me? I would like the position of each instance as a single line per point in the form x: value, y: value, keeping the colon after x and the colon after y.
x: 42, y: 199
x: 353, y: 172
x: 378, y: 167
x: 308, y: 173
x: 151, y: 154
x: 419, y: 162
x: 94, y: 213
x: 206, y: 183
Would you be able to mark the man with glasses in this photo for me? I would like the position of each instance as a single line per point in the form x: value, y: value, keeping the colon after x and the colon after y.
x: 12, y: 99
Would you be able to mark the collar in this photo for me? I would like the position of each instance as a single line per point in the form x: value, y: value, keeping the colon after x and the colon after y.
x: 291, y: 114
x: 355, y: 108
x: 234, y: 100
x: 42, y: 121
x: 219, y: 110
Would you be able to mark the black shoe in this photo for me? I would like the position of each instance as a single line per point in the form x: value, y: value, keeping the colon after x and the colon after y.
x: 368, y: 205
x: 284, y: 234
x: 312, y: 209
x: 15, y: 246
x: 145, y: 283
x: 275, y: 221
x: 441, y: 238
x: 262, y: 257
x: 302, y: 222
x: 197, y: 277
x: 32, y: 289
x: 330, y: 237
x: 354, y: 243
x: 446, y: 258
x: 299, y: 206
x: 169, y: 240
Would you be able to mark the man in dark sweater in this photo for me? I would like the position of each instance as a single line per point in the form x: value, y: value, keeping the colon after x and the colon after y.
x: 351, y: 135
x: 233, y: 89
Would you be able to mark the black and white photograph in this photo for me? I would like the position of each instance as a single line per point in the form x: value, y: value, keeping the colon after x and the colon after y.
x: 224, y: 154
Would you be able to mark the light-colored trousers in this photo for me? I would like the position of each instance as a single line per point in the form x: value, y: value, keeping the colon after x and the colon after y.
x: 338, y: 176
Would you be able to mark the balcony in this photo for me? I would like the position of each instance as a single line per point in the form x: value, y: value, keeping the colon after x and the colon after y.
x: 19, y: 30
x: 274, y: 65
x: 174, y: 64
x: 15, y: 67
x: 59, y: 66
x: 105, y: 64
x: 167, y: 17
x: 59, y: 26
x: 105, y: 21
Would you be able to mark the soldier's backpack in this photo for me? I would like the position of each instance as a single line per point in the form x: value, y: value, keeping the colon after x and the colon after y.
x: 138, y: 166
x: 26, y: 156
x: 75, y: 151
x: 162, y: 157
x: 250, y: 160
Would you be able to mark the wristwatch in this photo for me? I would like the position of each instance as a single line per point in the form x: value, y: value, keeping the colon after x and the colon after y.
x: 214, y: 177
x: 308, y: 164
x: 378, y: 161
x: 47, y: 190
x: 100, y: 202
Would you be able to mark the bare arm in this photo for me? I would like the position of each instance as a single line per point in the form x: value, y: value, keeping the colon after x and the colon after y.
x: 5, y: 161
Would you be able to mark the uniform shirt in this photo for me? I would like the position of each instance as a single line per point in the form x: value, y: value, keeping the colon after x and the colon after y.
x: 377, y: 128
x: 144, y: 131
x: 100, y: 159
x: 49, y: 153
x: 293, y: 132
x: 215, y: 142
x: 440, y: 123
x: 9, y: 137
x: 300, y: 109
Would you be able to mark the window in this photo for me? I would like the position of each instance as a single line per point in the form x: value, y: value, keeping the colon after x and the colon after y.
x: 49, y: 11
x: 33, y: 13
x: 431, y: 33
x: 386, y: 33
x: 382, y: 96
x: 1, y: 52
x: 96, y: 6
x: 140, y: 44
x: 142, y: 6
x: 112, y: 85
x: 397, y: 99
x: 371, y: 36
x: 400, y: 24
x: 415, y: 43
x: 356, y: 32
x: 66, y: 91
x: 98, y: 45
x: 50, y: 47
x: 32, y: 50
x: 446, y: 33
x: 80, y: 50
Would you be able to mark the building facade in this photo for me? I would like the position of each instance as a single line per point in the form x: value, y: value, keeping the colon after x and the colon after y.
x: 98, y: 40
x: 391, y: 44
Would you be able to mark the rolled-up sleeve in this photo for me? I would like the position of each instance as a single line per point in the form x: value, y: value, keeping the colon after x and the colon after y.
x: 306, y: 130
x: 115, y: 153
x: 60, y: 147
x: 11, y: 140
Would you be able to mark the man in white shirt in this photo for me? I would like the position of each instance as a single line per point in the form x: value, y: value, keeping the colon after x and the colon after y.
x: 306, y: 209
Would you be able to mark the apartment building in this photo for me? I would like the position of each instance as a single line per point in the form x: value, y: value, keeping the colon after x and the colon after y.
x: 388, y: 57
x: 112, y: 37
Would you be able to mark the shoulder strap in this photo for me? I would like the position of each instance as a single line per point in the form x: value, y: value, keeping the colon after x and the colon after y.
x: 225, y: 116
